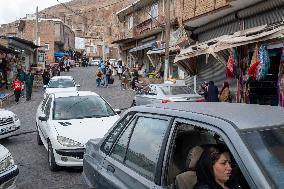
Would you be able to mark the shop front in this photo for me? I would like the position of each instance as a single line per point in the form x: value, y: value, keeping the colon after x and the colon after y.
x: 251, y: 60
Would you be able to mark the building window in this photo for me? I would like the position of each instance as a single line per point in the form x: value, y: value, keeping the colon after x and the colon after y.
x: 130, y: 22
x: 46, y: 46
x: 154, y: 10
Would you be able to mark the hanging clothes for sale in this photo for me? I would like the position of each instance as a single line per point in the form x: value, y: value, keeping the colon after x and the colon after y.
x: 230, y: 66
x: 253, y: 68
x: 281, y: 80
x: 264, y: 63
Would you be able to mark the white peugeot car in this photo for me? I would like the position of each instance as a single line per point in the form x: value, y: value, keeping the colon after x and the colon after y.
x: 8, y: 170
x: 60, y: 84
x: 67, y: 120
x: 9, y: 123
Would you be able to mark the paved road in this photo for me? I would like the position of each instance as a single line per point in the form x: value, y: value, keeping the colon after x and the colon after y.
x: 31, y: 158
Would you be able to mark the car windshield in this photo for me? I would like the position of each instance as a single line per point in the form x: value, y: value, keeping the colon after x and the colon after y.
x: 61, y: 83
x: 176, y: 90
x: 79, y: 107
x: 268, y: 147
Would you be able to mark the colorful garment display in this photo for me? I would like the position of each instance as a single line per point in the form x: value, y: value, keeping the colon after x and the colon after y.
x: 264, y: 63
x: 253, y: 68
x: 281, y: 80
x: 230, y: 74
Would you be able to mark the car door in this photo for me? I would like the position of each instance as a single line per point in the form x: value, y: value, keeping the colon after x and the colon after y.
x: 43, y: 126
x: 135, y: 159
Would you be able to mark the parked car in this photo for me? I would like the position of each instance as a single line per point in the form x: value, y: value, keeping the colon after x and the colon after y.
x: 151, y: 146
x: 164, y: 93
x: 8, y: 170
x: 9, y: 123
x: 95, y: 62
x: 61, y: 84
x: 66, y: 121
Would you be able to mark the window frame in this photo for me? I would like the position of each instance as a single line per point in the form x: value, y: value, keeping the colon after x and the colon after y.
x: 130, y: 22
x: 132, y: 114
x: 50, y: 108
x: 159, y: 166
x: 154, y: 10
x: 209, y: 127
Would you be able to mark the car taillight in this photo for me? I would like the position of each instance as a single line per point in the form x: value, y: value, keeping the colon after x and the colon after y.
x: 166, y: 101
x: 200, y: 100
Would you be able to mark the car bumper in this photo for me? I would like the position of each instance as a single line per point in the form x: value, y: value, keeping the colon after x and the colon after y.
x: 8, y: 178
x: 9, y: 130
x: 69, y: 157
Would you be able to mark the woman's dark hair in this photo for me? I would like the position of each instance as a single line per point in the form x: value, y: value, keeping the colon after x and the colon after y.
x: 204, y: 167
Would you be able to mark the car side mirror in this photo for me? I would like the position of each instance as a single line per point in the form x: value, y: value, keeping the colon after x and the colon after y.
x: 45, y: 86
x: 118, y: 111
x: 77, y: 85
x: 42, y: 117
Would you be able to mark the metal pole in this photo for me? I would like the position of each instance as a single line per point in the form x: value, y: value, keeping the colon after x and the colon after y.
x: 167, y: 28
x: 37, y: 36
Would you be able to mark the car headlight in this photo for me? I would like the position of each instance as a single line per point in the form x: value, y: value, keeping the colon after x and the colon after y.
x: 68, y: 142
x: 16, y: 117
x: 6, y: 163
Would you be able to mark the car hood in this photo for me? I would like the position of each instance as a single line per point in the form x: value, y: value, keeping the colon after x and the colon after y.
x: 4, y: 152
x: 81, y: 130
x: 6, y: 113
x: 54, y: 90
x: 187, y: 97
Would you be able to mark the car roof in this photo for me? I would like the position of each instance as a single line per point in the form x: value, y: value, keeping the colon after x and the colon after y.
x: 61, y: 77
x: 242, y: 116
x: 73, y: 93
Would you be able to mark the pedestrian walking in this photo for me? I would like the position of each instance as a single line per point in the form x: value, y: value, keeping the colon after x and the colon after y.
x: 99, y: 78
x: 125, y: 79
x: 119, y: 69
x: 225, y: 94
x: 68, y: 64
x: 203, y: 90
x: 22, y: 77
x: 17, y: 87
x: 107, y: 75
x: 212, y: 92
x: 135, y: 79
x: 29, y: 85
x: 45, y: 77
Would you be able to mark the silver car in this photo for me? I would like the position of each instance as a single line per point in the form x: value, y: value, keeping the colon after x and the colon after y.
x: 155, y: 147
x: 164, y: 93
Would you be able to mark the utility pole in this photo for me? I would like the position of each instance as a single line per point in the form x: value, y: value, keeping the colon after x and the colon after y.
x: 37, y: 34
x: 167, y: 28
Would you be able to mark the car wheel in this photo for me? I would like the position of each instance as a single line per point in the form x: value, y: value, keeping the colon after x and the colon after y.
x: 39, y: 141
x: 51, y: 160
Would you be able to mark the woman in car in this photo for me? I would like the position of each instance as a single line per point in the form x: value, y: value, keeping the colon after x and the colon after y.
x: 214, y: 169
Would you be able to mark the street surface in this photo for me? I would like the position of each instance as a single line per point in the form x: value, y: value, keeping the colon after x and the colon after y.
x: 32, y: 158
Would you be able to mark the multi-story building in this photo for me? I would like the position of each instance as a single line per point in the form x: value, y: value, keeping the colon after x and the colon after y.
x: 142, y: 31
x: 53, y: 34
x: 228, y: 36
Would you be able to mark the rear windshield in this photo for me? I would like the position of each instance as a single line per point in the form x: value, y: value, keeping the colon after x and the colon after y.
x: 268, y: 147
x: 61, y: 83
x: 176, y: 90
x: 79, y: 107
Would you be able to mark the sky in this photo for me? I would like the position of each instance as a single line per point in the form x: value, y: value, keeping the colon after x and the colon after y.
x: 11, y: 10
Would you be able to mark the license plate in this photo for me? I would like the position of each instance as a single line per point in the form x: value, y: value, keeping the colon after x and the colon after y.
x: 7, y: 129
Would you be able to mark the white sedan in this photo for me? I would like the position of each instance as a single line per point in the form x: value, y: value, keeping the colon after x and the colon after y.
x: 9, y: 123
x: 66, y: 121
x: 8, y: 170
x: 60, y: 84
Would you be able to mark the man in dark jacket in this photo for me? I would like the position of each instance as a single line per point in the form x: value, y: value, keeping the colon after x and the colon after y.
x: 29, y: 85
x: 212, y: 95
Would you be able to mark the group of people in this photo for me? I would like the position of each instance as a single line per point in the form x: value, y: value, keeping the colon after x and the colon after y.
x: 24, y: 80
x: 103, y: 75
x: 212, y: 94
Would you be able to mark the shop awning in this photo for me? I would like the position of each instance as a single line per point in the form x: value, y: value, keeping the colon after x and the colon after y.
x: 7, y: 50
x: 245, y: 37
x: 141, y: 47
x: 60, y: 54
x: 162, y: 51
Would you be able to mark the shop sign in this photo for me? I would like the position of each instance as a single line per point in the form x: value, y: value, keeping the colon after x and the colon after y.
x: 179, y: 36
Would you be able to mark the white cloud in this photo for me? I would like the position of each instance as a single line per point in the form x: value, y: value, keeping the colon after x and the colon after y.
x: 11, y: 10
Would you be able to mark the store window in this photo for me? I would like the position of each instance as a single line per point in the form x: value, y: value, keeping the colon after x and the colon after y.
x: 130, y: 22
x: 46, y: 46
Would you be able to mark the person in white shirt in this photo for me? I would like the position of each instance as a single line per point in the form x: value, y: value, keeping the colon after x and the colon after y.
x: 119, y: 69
